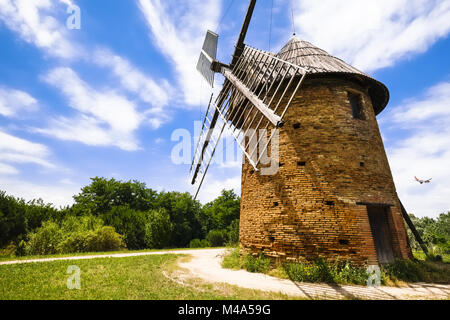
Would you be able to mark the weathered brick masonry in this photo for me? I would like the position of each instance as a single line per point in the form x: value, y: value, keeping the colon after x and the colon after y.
x: 331, y: 167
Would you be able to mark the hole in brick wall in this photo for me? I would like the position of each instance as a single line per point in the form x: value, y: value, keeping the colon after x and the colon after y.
x: 297, y: 126
x: 344, y: 242
x: 252, y: 171
x: 356, y: 104
x: 301, y: 164
x: 281, y: 164
x: 329, y: 203
x: 276, y: 204
x: 271, y: 239
x: 362, y: 164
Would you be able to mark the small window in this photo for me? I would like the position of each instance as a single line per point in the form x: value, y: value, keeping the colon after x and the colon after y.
x: 329, y: 203
x: 297, y: 126
x: 275, y: 204
x: 301, y: 164
x: 344, y: 242
x: 357, y: 106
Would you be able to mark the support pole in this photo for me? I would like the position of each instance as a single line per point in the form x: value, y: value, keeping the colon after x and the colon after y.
x: 413, y: 229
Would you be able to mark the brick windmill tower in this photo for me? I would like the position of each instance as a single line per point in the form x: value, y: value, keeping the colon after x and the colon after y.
x: 332, y: 194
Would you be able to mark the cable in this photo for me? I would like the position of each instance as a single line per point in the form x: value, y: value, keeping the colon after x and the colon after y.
x: 270, y: 31
x: 224, y: 15
x: 292, y: 17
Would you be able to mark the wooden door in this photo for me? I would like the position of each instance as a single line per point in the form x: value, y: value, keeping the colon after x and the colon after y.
x: 382, y: 235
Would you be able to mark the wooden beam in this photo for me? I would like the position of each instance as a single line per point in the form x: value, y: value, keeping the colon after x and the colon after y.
x: 258, y: 103
x: 413, y: 229
x: 240, y: 43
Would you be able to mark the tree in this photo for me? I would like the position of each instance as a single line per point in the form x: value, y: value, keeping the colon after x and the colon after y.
x: 223, y: 210
x: 158, y: 230
x: 185, y: 215
x: 128, y: 222
x: 102, y: 195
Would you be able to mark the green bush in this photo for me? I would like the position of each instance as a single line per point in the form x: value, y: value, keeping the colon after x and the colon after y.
x: 130, y: 223
x: 322, y: 271
x: 217, y: 238
x: 418, y: 271
x: 233, y: 233
x: 45, y: 240
x: 158, y: 230
x: 73, y: 235
x: 259, y: 264
x: 197, y: 243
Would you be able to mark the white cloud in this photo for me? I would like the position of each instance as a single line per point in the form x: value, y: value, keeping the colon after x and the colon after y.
x: 105, y: 117
x: 59, y: 194
x: 424, y: 152
x: 373, y: 34
x: 134, y: 80
x: 156, y: 95
x: 34, y: 23
x: 14, y: 101
x: 17, y: 150
x: 213, y: 186
x: 178, y: 29
x: 7, y: 169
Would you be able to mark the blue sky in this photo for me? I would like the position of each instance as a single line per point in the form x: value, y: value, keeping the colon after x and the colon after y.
x: 106, y: 100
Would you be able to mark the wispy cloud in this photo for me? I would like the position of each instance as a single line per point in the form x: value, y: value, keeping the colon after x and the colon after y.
x: 105, y: 117
x: 156, y: 95
x: 17, y: 150
x: 423, y: 152
x: 178, y: 28
x: 373, y: 34
x: 12, y: 102
x: 34, y: 23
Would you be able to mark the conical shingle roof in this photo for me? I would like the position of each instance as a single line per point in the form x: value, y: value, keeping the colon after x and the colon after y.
x: 320, y: 63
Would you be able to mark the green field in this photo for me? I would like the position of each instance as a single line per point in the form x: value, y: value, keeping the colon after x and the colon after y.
x: 114, y: 279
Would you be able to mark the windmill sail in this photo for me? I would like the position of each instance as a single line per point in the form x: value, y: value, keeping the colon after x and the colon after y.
x: 256, y: 96
x: 208, y: 56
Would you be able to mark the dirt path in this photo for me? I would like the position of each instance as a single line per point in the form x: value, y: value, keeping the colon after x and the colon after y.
x: 206, y: 265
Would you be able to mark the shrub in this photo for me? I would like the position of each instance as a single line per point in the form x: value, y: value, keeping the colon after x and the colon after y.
x: 197, y: 243
x: 104, y: 239
x: 232, y: 260
x: 418, y: 271
x: 233, y: 233
x: 130, y: 223
x: 158, y: 230
x: 259, y: 264
x: 322, y: 271
x: 73, y: 235
x: 217, y: 238
x: 45, y: 240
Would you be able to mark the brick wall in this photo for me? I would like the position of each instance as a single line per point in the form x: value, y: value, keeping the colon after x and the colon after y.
x: 330, y: 162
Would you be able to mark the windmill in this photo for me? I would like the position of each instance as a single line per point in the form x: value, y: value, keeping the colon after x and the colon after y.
x: 256, y: 95
x: 334, y: 194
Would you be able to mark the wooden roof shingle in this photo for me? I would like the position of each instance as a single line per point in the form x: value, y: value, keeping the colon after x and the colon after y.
x: 320, y: 63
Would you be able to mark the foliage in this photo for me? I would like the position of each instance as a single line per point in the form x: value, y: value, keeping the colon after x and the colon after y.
x: 222, y: 211
x: 259, y: 264
x: 18, y: 217
x: 197, y: 243
x: 434, y: 232
x: 145, y: 218
x: 217, y: 238
x: 233, y: 233
x: 72, y: 235
x: 184, y: 213
x: 129, y: 223
x: 418, y: 271
x: 322, y: 271
x: 102, y: 195
x: 158, y: 230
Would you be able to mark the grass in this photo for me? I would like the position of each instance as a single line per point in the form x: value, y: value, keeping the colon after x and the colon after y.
x: 133, y: 278
x: 399, y: 273
x: 6, y: 258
